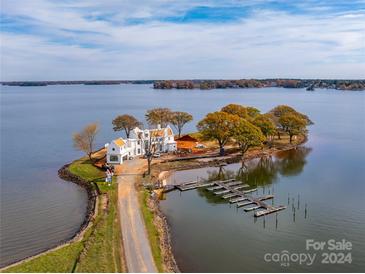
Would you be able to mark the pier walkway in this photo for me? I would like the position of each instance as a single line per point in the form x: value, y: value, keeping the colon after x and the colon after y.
x: 234, y: 191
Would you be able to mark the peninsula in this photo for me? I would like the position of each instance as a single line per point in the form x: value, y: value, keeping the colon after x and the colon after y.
x: 124, y: 229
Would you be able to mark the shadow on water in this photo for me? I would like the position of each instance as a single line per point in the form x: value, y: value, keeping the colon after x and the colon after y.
x: 260, y: 172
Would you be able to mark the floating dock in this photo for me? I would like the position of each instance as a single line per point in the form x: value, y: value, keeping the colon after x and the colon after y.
x: 234, y: 191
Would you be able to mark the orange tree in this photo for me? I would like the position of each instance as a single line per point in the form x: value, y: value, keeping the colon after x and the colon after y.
x: 218, y: 126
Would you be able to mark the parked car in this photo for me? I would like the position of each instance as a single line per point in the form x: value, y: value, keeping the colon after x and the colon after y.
x: 200, y: 146
x: 157, y: 155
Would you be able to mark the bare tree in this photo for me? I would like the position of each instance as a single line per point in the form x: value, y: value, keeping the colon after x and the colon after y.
x: 150, y: 146
x: 84, y: 140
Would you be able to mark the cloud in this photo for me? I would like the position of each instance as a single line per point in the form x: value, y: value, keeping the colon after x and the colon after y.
x: 64, y: 40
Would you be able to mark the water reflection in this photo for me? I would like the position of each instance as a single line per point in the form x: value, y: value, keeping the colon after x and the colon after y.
x: 261, y: 173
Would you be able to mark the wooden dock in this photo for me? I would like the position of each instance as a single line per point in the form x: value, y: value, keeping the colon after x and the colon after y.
x: 199, y: 184
x: 233, y: 190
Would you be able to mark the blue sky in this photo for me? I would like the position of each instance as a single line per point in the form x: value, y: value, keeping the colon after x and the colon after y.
x: 162, y: 39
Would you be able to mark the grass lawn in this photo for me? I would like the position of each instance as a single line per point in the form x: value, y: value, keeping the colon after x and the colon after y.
x: 102, y: 248
x: 84, y: 168
x: 60, y: 260
x: 152, y: 232
x: 99, y: 250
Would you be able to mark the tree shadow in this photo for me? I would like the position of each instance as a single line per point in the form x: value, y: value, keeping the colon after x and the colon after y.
x: 259, y: 172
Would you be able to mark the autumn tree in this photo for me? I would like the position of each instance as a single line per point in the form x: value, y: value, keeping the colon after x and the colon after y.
x: 281, y: 110
x: 158, y: 116
x: 85, y: 139
x: 179, y: 119
x: 217, y: 126
x: 265, y: 124
x: 293, y: 124
x: 125, y: 122
x: 246, y: 135
x: 252, y: 112
x: 235, y: 109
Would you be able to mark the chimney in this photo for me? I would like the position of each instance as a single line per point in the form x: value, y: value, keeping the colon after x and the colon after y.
x: 159, y: 126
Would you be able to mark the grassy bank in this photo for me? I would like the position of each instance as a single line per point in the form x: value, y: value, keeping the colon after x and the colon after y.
x: 60, y: 260
x: 153, y: 235
x: 99, y: 250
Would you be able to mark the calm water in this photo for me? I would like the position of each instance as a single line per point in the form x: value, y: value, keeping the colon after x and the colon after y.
x: 38, y: 209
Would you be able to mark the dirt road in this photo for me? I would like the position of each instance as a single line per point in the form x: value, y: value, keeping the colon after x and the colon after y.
x: 136, y: 245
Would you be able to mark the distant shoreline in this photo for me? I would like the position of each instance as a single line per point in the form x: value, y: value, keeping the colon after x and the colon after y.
x: 206, y: 84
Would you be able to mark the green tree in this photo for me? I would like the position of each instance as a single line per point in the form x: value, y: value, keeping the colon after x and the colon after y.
x: 84, y: 140
x: 252, y: 112
x: 125, y: 122
x: 235, y: 109
x: 158, y: 116
x: 293, y: 124
x: 179, y: 119
x: 218, y: 126
x: 246, y: 135
x: 265, y: 124
x: 281, y: 110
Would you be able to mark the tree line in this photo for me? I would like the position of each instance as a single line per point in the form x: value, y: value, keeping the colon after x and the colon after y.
x: 246, y: 126
x: 311, y: 84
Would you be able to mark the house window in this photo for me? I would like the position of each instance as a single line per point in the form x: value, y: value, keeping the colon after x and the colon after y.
x: 139, y: 142
x: 139, y: 151
x: 113, y: 158
x: 113, y: 149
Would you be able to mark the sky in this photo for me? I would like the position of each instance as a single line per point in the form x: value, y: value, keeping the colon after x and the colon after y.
x: 183, y: 39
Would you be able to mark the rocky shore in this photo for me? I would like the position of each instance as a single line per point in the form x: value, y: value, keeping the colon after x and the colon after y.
x: 163, y: 229
x: 92, y: 195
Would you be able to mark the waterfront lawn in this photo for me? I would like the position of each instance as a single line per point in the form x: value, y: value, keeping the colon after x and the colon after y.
x: 60, y: 260
x: 86, y: 170
x: 152, y: 232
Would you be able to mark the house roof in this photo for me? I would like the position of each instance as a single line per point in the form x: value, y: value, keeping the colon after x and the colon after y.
x: 119, y: 142
x: 157, y: 132
x: 187, y: 138
x: 161, y: 132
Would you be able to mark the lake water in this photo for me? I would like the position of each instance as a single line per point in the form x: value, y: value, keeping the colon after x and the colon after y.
x: 38, y: 210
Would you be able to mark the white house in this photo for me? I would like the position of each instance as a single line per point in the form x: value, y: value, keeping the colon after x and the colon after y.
x: 120, y: 150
